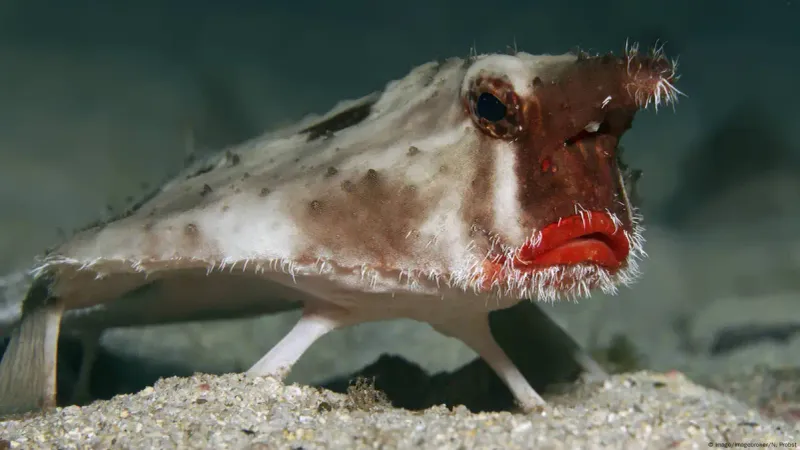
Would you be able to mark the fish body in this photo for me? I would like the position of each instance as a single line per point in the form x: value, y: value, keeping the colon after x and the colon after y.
x: 465, y: 187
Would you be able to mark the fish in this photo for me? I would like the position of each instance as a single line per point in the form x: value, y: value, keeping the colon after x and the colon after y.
x: 465, y: 187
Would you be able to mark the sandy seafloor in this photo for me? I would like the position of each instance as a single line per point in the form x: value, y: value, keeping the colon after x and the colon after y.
x: 633, y: 411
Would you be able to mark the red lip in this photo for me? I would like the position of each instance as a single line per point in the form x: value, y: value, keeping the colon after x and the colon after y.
x: 591, y: 237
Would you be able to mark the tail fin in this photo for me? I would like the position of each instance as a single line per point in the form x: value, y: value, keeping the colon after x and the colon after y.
x: 28, y: 368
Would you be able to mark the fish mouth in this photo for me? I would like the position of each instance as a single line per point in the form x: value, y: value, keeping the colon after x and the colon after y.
x: 588, y: 238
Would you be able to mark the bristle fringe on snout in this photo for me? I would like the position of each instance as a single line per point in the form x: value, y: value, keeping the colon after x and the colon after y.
x: 651, y: 77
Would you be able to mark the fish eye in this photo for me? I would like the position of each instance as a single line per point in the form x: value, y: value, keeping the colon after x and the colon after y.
x: 490, y: 108
x: 495, y: 108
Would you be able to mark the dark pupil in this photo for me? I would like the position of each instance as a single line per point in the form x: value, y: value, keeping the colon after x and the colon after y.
x: 490, y: 107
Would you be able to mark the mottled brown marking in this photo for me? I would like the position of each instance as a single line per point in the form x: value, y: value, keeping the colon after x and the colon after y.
x: 316, y: 206
x: 560, y: 163
x: 344, y: 119
x: 206, y: 190
x: 200, y: 171
x: 413, y: 150
x: 232, y: 159
x: 264, y: 192
x: 191, y: 235
x: 478, y: 199
x: 331, y: 171
x: 372, y: 219
x: 150, y: 244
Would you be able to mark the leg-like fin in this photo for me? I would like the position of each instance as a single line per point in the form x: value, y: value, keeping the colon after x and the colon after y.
x: 315, y: 323
x: 476, y: 333
x: 90, y: 343
x: 540, y: 347
x: 592, y: 370
x: 28, y: 368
